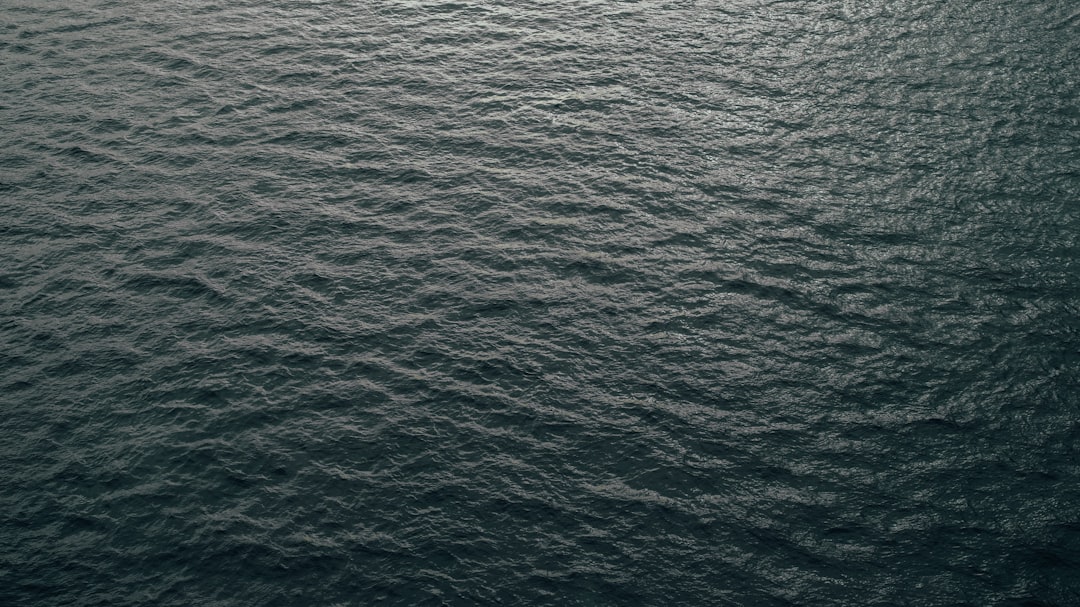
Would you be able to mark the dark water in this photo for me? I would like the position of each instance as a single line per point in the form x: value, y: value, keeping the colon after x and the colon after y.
x: 540, y: 303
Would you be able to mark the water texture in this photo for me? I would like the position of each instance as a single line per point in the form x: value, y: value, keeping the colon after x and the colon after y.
x: 523, y: 302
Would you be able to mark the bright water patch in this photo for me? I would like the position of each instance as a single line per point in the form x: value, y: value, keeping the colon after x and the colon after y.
x: 661, y: 303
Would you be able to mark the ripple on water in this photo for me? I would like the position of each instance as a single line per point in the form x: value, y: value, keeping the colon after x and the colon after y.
x: 440, y: 303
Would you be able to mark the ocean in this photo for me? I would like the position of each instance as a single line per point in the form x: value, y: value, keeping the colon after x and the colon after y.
x: 523, y: 302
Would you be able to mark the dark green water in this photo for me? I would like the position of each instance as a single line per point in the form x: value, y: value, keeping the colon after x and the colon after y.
x: 539, y: 303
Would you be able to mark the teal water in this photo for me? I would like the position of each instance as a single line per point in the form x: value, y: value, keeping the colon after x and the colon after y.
x: 536, y: 303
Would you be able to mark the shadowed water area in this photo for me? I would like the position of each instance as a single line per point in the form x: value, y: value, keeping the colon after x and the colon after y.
x: 539, y: 303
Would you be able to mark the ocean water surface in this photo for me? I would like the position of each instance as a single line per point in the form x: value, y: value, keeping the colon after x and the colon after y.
x: 524, y: 302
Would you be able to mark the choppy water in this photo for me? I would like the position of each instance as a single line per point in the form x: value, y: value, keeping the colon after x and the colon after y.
x: 540, y: 303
